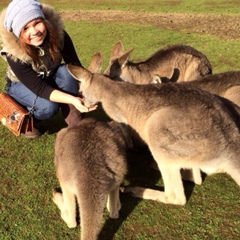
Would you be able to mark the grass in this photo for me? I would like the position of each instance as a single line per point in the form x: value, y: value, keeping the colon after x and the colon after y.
x: 219, y: 52
x: 27, y: 171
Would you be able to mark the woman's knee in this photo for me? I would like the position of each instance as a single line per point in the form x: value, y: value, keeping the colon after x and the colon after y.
x: 65, y: 81
x: 45, y: 111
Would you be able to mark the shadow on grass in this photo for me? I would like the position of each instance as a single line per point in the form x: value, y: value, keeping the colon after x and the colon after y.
x: 140, y: 174
x: 56, y: 123
x: 52, y: 125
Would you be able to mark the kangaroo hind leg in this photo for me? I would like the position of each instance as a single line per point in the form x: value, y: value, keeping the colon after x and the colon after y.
x: 173, y: 185
x: 113, y: 203
x: 173, y: 188
x: 66, y: 202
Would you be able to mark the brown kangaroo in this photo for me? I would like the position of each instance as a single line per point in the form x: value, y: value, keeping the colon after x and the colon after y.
x: 184, y: 127
x: 90, y: 163
x: 174, y: 63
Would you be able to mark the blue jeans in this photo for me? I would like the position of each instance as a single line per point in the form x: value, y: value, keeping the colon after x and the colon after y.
x: 43, y: 108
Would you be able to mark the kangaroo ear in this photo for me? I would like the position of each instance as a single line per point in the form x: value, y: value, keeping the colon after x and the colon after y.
x: 124, y: 58
x: 79, y: 73
x: 117, y: 51
x: 95, y: 64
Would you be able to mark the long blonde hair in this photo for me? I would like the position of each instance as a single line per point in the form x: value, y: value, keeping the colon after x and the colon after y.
x: 51, y: 40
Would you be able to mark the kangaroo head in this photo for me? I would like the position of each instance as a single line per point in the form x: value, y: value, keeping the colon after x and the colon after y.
x: 83, y: 75
x: 85, y: 78
x: 118, y: 67
x: 118, y: 60
x: 116, y: 52
x: 119, y: 54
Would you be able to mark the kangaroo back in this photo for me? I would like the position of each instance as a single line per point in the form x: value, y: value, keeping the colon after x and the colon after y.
x: 226, y: 84
x: 90, y: 163
x: 174, y: 63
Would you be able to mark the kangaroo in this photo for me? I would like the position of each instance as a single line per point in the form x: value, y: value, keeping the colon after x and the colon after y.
x: 184, y: 128
x: 90, y: 163
x: 174, y: 63
x: 226, y: 84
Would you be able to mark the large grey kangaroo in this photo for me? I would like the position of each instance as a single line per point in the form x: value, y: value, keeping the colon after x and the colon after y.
x: 173, y: 63
x: 184, y: 128
x: 90, y: 163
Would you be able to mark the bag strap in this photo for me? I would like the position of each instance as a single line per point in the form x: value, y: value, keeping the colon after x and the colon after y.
x: 32, y: 107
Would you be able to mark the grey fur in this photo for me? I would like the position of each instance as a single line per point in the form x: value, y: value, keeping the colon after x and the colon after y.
x: 90, y: 163
x: 226, y: 84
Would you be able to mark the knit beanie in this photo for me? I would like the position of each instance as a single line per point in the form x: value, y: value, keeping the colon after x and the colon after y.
x: 20, y: 12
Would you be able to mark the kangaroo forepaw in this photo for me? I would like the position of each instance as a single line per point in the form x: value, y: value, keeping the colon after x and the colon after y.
x: 57, y: 197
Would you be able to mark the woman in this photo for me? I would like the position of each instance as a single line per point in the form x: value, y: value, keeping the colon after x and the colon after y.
x: 34, y: 44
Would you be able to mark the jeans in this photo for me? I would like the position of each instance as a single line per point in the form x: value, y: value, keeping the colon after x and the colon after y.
x: 43, y: 108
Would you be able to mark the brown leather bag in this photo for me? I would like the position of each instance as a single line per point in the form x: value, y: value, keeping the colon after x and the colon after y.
x: 12, y: 115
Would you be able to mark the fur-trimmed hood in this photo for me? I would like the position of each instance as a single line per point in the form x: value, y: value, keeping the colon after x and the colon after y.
x: 10, y: 43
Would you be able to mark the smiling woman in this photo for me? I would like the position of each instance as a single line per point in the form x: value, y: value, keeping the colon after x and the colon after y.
x: 34, y: 44
x: 34, y: 33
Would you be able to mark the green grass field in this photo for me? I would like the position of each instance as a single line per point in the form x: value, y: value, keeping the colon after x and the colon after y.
x: 27, y: 171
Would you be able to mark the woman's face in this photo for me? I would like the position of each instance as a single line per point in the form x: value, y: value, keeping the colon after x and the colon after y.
x: 34, y: 32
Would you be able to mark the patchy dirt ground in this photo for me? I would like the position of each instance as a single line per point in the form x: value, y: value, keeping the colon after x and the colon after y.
x: 224, y: 26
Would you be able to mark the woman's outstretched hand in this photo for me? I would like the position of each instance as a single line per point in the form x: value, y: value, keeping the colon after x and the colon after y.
x: 80, y: 106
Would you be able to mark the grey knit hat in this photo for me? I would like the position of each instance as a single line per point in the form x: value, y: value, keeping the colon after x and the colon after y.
x: 20, y: 12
